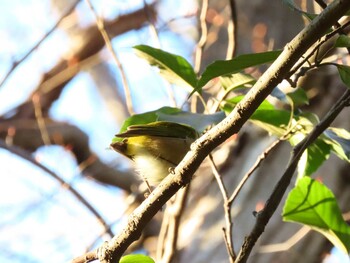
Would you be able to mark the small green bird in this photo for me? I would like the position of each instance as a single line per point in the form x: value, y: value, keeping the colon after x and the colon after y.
x: 155, y: 147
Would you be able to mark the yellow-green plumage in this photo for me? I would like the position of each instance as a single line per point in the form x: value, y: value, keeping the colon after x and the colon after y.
x: 155, y: 147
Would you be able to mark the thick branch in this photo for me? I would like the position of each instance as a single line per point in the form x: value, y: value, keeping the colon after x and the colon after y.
x: 27, y: 136
x: 64, y: 71
x: 113, y: 250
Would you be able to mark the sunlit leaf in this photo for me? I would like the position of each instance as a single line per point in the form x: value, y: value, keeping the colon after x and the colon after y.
x: 197, y: 121
x: 344, y: 72
x: 235, y: 81
x: 298, y: 97
x: 232, y: 102
x: 172, y: 67
x: 313, y: 204
x: 272, y: 121
x: 145, y: 118
x: 342, y: 41
x: 339, y: 140
x: 313, y: 157
x: 266, y: 116
x: 136, y: 258
x: 227, y: 67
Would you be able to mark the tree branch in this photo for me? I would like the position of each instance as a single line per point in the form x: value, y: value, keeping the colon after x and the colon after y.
x: 67, y: 69
x: 26, y: 156
x: 26, y: 134
x: 275, y: 198
x: 17, y: 63
x: 182, y: 174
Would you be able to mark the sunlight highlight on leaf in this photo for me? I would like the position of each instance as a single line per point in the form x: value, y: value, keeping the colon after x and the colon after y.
x: 311, y: 203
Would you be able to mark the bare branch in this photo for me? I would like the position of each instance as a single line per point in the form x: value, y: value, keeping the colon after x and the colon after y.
x: 232, y: 31
x: 40, y: 119
x: 88, y: 257
x: 93, y: 43
x: 26, y: 134
x: 203, y: 38
x: 107, y: 40
x: 27, y: 156
x: 228, y: 236
x: 173, y: 213
x: 17, y: 63
x: 256, y: 165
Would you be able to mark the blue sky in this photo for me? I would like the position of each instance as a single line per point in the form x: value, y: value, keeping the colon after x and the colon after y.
x: 39, y: 217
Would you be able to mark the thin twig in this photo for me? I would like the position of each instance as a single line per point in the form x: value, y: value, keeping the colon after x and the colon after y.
x: 68, y: 73
x: 40, y: 119
x: 228, y: 236
x: 198, y: 53
x: 315, y: 49
x: 153, y: 29
x: 54, y: 27
x: 162, y: 236
x: 100, y: 25
x: 232, y: 31
x: 257, y: 163
x: 26, y: 156
x: 288, y: 244
x: 203, y: 38
x: 275, y: 198
x: 88, y: 257
x: 154, y: 33
x: 175, y: 213
x: 292, y: 241
x: 322, y: 4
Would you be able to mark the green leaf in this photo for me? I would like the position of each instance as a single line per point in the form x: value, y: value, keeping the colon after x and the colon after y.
x: 298, y: 97
x: 136, y: 258
x: 227, y: 67
x: 145, y: 118
x: 344, y: 72
x: 172, y: 67
x: 235, y: 81
x: 232, y: 102
x: 272, y: 121
x: 303, y: 124
x: 313, y: 204
x: 266, y: 116
x: 199, y: 122
x: 342, y: 41
x: 339, y: 140
x: 313, y: 157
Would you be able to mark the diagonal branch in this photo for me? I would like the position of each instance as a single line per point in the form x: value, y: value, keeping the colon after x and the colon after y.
x: 67, y: 69
x: 18, y: 62
x: 26, y: 134
x: 275, y: 198
x: 182, y: 174
x: 26, y: 156
x: 107, y: 40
